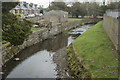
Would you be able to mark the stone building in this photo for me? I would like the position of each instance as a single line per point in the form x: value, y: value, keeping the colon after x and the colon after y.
x: 25, y: 8
x: 56, y: 16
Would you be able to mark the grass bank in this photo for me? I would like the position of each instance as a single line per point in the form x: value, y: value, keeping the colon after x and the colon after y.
x: 96, y: 52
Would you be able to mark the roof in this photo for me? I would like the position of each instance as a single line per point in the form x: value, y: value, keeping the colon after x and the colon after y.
x: 24, y: 5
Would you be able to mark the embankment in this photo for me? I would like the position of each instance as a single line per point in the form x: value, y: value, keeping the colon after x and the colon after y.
x: 95, y: 52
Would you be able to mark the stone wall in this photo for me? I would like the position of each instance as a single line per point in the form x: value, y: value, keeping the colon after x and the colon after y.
x: 56, y: 16
x: 75, y: 66
x: 41, y: 35
x: 111, y: 26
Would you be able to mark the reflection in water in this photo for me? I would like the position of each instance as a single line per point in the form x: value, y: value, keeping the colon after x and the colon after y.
x: 39, y: 65
x: 74, y: 33
x: 33, y: 63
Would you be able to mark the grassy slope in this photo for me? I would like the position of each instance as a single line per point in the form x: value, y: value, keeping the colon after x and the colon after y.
x: 95, y: 51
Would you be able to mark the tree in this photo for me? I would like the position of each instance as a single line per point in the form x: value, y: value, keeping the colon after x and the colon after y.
x: 14, y: 30
x: 113, y: 5
x: 77, y: 10
x: 7, y: 6
x: 94, y: 9
x: 41, y: 11
x: 58, y: 6
x: 103, y: 9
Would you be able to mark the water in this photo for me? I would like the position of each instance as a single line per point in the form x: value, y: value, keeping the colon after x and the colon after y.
x: 74, y: 33
x: 37, y: 61
x: 39, y: 65
x: 79, y: 30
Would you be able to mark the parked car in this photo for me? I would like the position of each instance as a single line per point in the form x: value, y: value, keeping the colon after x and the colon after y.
x: 31, y: 15
x: 36, y: 15
x: 40, y: 15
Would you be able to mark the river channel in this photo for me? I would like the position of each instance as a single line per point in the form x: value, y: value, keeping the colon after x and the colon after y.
x: 37, y: 61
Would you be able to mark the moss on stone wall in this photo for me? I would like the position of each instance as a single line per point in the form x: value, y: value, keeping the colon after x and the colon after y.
x: 10, y: 51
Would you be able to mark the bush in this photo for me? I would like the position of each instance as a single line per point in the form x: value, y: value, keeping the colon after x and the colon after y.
x: 14, y: 30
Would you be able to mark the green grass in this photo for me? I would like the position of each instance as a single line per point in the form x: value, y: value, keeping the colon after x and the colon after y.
x: 74, y: 19
x: 95, y: 51
x: 35, y: 29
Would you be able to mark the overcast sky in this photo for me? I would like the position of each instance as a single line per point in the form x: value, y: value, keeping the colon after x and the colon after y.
x: 45, y: 3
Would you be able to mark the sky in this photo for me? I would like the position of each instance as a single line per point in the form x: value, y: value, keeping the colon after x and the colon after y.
x: 45, y: 3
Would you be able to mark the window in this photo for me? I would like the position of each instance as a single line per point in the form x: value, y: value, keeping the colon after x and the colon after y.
x: 16, y: 11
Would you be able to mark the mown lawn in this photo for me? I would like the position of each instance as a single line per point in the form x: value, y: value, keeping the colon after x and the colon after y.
x: 96, y: 53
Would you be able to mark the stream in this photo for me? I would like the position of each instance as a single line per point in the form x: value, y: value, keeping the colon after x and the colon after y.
x: 37, y: 61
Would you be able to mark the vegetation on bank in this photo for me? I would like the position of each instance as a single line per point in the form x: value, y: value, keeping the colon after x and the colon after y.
x: 14, y: 30
x: 96, y: 52
x: 84, y: 9
x: 75, y: 67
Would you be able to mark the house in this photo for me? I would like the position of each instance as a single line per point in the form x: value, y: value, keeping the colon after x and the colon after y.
x: 25, y: 8
x: 56, y: 16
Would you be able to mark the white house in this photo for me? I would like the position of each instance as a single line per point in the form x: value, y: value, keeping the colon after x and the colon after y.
x: 25, y: 8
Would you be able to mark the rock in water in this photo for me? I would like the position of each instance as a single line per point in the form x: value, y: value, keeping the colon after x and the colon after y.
x: 1, y: 73
x: 17, y: 59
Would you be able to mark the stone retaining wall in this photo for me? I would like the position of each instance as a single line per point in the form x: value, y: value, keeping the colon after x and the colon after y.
x: 111, y: 26
x: 75, y: 66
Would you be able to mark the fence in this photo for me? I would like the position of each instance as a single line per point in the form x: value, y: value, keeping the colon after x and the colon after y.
x: 111, y: 25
